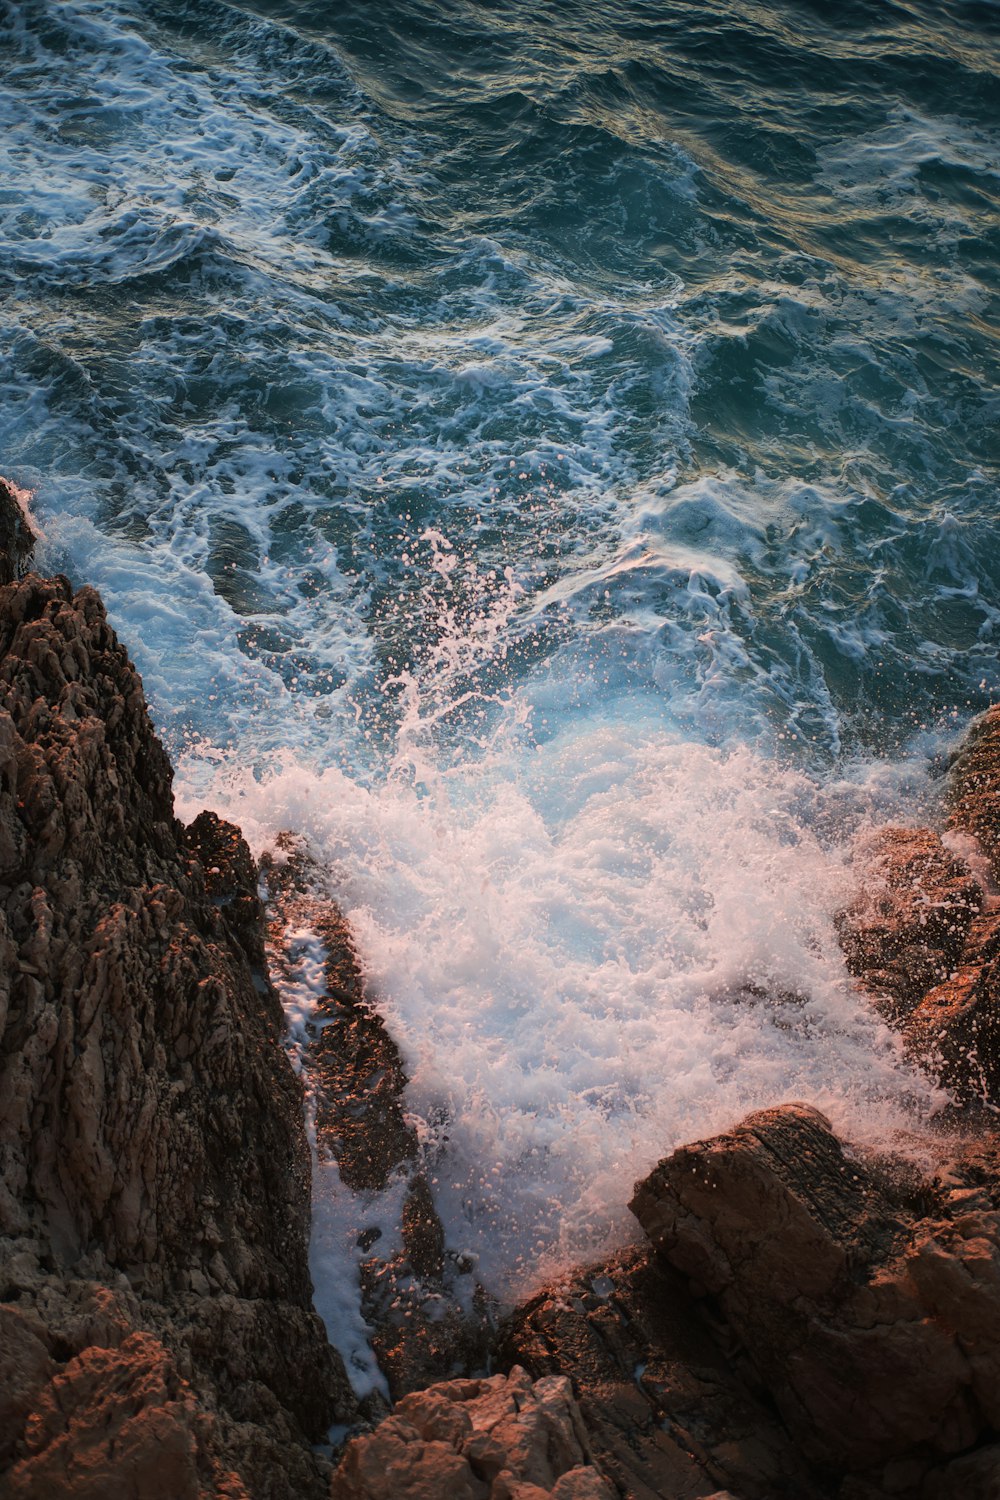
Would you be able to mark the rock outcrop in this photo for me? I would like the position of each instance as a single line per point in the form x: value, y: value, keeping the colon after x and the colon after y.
x: 428, y: 1317
x: 974, y: 787
x: 866, y: 1298
x: 909, y: 922
x: 666, y: 1407
x: 502, y: 1438
x: 922, y: 935
x: 16, y: 539
x: 154, y: 1174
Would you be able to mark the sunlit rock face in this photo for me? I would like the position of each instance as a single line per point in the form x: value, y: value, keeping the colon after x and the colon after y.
x: 503, y: 1438
x: 154, y: 1174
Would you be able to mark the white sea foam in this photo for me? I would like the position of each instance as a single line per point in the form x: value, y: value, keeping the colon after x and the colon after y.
x: 615, y: 943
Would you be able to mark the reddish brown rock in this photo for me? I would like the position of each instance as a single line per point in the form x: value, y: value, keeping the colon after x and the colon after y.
x: 152, y: 1149
x: 909, y: 922
x: 115, y: 1424
x: 974, y: 787
x: 666, y: 1409
x: 503, y: 1438
x: 954, y: 1032
x: 874, y: 1324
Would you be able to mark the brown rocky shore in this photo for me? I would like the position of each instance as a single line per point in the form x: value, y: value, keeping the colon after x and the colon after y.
x: 804, y: 1319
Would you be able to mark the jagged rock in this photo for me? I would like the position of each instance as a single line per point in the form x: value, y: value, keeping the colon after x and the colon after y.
x: 908, y: 924
x: 974, y: 786
x: 16, y: 537
x: 152, y: 1148
x: 665, y: 1407
x: 922, y: 935
x: 954, y: 1032
x: 117, y: 1423
x: 503, y: 1438
x: 428, y: 1317
x: 868, y: 1300
x: 356, y: 1070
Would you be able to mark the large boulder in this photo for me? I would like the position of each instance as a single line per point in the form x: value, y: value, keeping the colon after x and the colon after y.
x: 152, y: 1147
x: 867, y: 1299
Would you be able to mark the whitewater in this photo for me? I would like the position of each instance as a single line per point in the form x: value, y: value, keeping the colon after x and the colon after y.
x: 546, y: 456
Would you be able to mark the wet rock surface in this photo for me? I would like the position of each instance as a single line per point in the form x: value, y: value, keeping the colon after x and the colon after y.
x: 911, y: 917
x: 16, y: 538
x: 922, y: 935
x: 974, y: 787
x: 428, y: 1317
x: 154, y: 1175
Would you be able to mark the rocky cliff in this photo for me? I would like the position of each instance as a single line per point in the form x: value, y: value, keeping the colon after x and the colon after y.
x: 804, y: 1319
x: 158, y: 1334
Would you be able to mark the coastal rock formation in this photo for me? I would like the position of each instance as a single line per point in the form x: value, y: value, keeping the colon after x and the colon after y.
x: 429, y: 1318
x: 16, y: 539
x: 974, y: 787
x: 866, y: 1298
x: 910, y: 919
x: 154, y: 1174
x: 665, y: 1404
x: 922, y: 934
x: 502, y: 1438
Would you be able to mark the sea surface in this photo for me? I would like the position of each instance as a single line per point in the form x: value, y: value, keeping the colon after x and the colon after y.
x: 547, y: 455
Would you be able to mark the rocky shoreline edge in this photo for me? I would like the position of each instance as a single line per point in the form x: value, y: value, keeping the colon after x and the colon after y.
x: 803, y: 1320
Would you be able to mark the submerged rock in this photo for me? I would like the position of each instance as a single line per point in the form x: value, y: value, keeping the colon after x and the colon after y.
x: 154, y: 1173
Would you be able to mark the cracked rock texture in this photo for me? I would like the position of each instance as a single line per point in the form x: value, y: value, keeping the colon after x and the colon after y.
x: 502, y: 1438
x: 666, y: 1407
x: 866, y: 1297
x: 154, y: 1174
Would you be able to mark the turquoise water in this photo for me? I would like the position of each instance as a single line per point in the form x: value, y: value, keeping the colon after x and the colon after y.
x: 548, y: 454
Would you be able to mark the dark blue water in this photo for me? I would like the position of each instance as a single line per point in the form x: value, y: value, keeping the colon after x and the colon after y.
x: 548, y: 453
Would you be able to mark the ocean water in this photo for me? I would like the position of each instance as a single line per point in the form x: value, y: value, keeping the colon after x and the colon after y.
x: 547, y: 455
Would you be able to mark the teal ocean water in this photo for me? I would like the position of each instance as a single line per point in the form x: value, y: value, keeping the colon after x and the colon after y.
x: 548, y: 455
